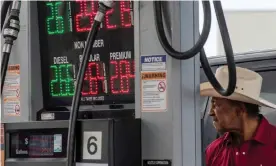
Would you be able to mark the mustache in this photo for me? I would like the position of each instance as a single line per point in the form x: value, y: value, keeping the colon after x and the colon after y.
x: 215, y: 119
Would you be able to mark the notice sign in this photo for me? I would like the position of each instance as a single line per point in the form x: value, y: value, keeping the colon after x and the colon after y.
x: 154, y: 91
x: 157, y: 163
x: 153, y: 62
x: 11, y: 91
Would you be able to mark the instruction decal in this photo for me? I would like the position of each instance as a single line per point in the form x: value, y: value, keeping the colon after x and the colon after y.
x: 154, y: 91
x: 11, y: 92
x: 153, y: 62
x: 157, y: 163
x: 2, y: 145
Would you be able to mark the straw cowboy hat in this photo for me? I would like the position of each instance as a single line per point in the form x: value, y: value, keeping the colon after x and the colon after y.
x: 248, y: 88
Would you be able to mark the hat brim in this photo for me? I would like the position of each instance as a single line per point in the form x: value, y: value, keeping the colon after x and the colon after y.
x: 206, y: 89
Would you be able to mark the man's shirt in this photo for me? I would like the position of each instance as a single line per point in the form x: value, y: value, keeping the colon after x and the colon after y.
x: 259, y: 151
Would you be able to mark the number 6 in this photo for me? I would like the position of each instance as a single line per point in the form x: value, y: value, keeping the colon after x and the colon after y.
x: 92, y: 146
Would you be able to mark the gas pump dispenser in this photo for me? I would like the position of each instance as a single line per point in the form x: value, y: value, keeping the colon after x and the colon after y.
x: 137, y: 105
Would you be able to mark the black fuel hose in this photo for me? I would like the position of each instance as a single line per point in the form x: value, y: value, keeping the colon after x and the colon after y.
x: 162, y: 36
x: 4, y: 11
x: 198, y: 48
x: 77, y: 94
x: 229, y: 56
x: 103, y: 7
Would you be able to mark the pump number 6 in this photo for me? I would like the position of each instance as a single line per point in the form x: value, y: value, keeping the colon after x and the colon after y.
x: 92, y: 145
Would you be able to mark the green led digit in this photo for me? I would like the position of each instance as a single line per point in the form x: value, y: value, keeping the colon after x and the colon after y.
x: 66, y: 82
x: 54, y: 81
x: 50, y: 18
x: 55, y: 22
x: 59, y: 19
x: 62, y: 83
x: 70, y: 87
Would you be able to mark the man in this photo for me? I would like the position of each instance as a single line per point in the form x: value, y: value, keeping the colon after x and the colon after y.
x: 248, y: 139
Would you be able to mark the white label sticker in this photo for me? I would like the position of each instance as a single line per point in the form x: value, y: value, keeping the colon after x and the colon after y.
x: 11, y: 91
x: 154, y: 91
x: 57, y: 143
x: 92, y: 145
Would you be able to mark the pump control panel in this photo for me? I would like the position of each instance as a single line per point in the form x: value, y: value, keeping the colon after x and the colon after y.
x: 105, y: 142
x: 63, y: 29
x: 43, y: 143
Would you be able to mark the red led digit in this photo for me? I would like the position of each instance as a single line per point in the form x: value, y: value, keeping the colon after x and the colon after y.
x: 93, y: 80
x: 107, y: 16
x: 100, y: 75
x: 94, y: 9
x: 124, y: 76
x: 125, y: 10
x: 78, y: 16
x: 86, y: 79
x: 93, y: 86
x: 85, y: 13
x: 114, y: 77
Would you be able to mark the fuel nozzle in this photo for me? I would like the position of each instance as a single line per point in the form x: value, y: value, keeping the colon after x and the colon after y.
x: 12, y: 26
x: 104, y: 5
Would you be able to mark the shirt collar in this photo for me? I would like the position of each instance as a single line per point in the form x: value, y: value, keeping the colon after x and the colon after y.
x: 261, y: 134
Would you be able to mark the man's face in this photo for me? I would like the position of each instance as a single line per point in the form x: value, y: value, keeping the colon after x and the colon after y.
x: 226, y: 115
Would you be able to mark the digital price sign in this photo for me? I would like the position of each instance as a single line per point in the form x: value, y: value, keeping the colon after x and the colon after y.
x: 64, y: 27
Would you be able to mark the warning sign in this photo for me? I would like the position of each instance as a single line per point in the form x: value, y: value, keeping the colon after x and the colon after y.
x: 161, y: 86
x: 154, y: 91
x: 11, y: 92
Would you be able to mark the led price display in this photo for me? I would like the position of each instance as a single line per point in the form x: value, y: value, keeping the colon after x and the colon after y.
x: 109, y: 77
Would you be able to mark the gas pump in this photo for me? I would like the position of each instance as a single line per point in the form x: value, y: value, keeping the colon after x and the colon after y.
x: 138, y: 105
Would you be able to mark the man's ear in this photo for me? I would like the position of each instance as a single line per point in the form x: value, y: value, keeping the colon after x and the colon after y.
x: 239, y: 109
